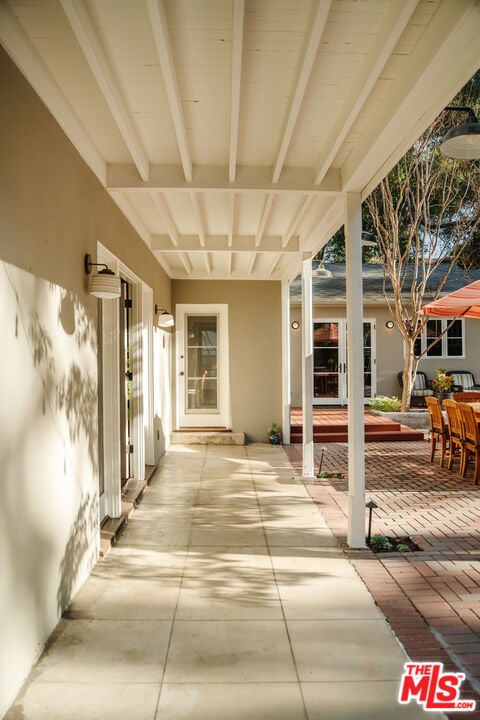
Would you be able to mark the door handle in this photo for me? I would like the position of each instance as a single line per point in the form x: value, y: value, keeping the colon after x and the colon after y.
x: 181, y: 373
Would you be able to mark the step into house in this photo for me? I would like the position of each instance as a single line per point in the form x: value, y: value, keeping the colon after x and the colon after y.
x: 206, y: 436
x: 331, y: 425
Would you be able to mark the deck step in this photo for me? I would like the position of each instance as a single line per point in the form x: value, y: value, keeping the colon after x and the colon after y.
x: 331, y: 425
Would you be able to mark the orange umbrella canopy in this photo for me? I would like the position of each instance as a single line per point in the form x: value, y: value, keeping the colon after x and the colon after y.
x: 460, y: 303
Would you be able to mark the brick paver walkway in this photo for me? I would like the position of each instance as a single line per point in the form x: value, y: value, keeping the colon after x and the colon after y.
x: 431, y: 597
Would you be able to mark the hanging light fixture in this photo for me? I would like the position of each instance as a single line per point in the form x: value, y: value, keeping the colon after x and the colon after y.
x: 165, y: 318
x: 369, y: 239
x: 463, y: 141
x: 321, y: 271
x: 104, y: 284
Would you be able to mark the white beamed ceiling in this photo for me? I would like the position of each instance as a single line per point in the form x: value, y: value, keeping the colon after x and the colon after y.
x: 229, y: 131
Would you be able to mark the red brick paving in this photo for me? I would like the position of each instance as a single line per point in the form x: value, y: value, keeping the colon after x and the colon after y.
x: 431, y: 598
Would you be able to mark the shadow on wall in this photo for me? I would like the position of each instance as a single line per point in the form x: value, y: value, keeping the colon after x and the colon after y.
x: 75, y: 392
x: 79, y: 541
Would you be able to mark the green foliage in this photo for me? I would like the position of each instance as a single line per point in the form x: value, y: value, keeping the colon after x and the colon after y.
x: 379, y: 543
x: 385, y: 404
x: 403, y: 548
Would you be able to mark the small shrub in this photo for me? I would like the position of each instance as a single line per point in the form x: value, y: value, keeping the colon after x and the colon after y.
x: 380, y: 543
x: 403, y: 548
x: 386, y: 404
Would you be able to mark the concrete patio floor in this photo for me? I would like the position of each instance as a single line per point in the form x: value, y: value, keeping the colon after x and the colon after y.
x: 226, y: 597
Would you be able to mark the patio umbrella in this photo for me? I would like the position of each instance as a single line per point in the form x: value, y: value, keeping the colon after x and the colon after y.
x: 460, y: 303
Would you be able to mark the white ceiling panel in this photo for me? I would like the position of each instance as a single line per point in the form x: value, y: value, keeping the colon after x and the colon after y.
x: 229, y: 131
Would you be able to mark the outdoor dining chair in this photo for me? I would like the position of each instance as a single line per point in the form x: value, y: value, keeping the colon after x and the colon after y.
x: 438, y: 429
x: 471, y: 439
x: 456, y: 434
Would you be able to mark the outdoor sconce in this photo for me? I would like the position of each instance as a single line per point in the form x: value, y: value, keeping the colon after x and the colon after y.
x: 463, y: 141
x: 389, y: 324
x: 295, y: 325
x: 165, y: 318
x: 104, y: 284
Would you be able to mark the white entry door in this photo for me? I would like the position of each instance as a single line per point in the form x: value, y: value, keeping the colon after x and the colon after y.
x: 203, y: 397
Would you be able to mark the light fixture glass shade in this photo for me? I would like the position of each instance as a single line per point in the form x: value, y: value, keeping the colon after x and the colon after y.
x: 165, y: 319
x: 462, y: 142
x: 105, y: 285
x: 369, y: 239
x: 322, y: 272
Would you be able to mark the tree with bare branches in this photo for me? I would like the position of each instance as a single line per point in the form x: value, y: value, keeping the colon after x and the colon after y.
x: 426, y: 214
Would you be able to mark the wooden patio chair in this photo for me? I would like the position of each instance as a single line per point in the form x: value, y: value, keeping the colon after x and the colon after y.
x: 472, y: 440
x: 456, y: 434
x: 438, y: 429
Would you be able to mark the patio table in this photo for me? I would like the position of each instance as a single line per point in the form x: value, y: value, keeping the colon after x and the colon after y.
x: 476, y: 409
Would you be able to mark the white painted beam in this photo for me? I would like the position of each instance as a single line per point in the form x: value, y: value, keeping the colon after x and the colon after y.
x: 237, y: 49
x: 89, y: 42
x: 166, y: 216
x: 30, y: 63
x: 264, y: 219
x: 185, y: 260
x: 214, y: 178
x: 310, y: 53
x: 221, y: 244
x: 123, y: 202
x: 394, y: 23
x: 231, y: 218
x: 161, y: 37
x: 448, y: 49
x: 197, y: 211
x: 293, y: 227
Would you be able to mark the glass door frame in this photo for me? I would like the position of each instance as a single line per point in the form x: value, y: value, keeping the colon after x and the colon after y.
x: 341, y: 368
x: 186, y: 415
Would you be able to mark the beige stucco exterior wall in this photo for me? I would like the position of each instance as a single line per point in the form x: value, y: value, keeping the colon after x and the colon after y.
x: 254, y: 316
x: 389, y: 346
x: 52, y: 211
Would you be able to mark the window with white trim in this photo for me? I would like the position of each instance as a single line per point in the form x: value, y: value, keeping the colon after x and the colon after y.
x: 451, y: 344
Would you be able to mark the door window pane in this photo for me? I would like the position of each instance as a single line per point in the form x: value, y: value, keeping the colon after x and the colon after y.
x: 325, y: 359
x: 202, y: 344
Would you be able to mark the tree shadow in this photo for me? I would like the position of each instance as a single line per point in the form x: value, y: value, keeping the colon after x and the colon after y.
x: 75, y: 555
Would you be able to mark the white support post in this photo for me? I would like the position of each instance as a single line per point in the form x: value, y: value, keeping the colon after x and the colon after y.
x: 307, y: 369
x: 286, y: 368
x: 356, y: 420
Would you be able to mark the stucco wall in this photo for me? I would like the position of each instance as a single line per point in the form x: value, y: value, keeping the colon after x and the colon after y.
x: 389, y: 350
x: 52, y: 211
x: 254, y: 315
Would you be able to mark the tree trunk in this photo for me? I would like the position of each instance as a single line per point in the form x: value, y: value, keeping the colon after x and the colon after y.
x: 409, y: 372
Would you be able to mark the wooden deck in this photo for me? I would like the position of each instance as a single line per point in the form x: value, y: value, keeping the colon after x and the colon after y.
x: 331, y: 425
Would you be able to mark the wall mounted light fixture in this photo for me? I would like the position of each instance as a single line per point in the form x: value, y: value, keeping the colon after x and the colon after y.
x: 165, y: 318
x: 104, y: 284
x: 389, y: 324
x: 295, y: 325
x: 463, y: 141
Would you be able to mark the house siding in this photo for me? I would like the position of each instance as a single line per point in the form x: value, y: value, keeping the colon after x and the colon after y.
x: 255, y: 347
x: 390, y: 353
x: 53, y: 210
